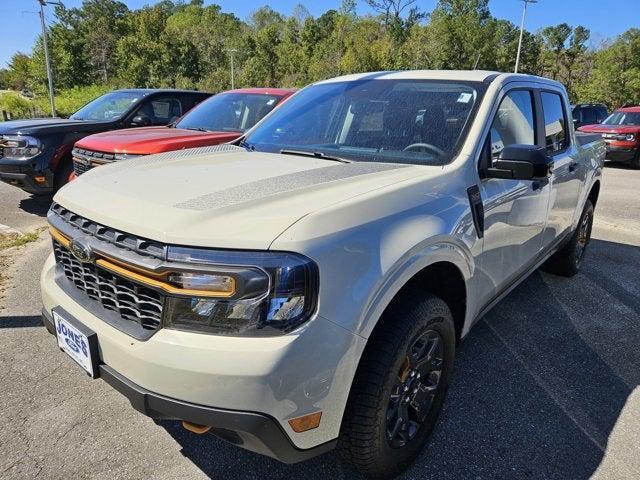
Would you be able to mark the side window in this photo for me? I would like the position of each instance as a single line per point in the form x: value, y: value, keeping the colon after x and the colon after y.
x: 161, y: 110
x: 190, y: 101
x: 589, y: 115
x: 555, y: 122
x: 514, y: 122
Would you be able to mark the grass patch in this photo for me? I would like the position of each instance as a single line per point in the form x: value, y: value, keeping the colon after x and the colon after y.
x: 11, y: 240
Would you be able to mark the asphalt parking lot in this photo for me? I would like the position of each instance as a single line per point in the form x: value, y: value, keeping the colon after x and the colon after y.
x: 547, y: 385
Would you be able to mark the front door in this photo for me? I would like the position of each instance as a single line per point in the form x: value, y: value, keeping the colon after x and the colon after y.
x: 515, y: 210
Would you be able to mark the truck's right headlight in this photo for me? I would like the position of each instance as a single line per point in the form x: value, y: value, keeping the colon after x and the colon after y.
x: 243, y: 293
x: 20, y: 147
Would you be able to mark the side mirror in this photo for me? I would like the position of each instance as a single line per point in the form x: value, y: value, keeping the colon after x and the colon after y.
x: 521, y: 162
x: 141, y: 121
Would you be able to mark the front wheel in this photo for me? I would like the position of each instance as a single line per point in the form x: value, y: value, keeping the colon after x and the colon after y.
x: 566, y: 261
x: 63, y: 174
x: 399, y: 386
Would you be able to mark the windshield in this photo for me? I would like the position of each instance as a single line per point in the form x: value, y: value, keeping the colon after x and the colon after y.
x: 229, y: 112
x: 107, y: 107
x: 405, y: 121
x: 623, y: 118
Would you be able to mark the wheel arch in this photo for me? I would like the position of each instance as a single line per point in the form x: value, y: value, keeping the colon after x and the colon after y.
x: 444, y: 276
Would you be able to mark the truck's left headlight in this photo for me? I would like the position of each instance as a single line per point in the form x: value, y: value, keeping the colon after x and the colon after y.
x: 20, y: 147
x: 254, y: 293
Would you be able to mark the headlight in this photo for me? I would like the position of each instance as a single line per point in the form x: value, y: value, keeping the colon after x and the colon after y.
x: 20, y: 147
x: 243, y: 293
x: 630, y: 138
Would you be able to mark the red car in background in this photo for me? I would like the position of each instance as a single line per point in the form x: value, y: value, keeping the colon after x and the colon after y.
x: 220, y: 119
x: 621, y: 133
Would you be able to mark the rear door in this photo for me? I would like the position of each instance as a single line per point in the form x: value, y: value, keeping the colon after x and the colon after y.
x: 568, y: 171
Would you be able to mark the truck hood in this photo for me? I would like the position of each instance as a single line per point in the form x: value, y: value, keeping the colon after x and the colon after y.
x: 44, y: 126
x: 150, y: 140
x: 599, y: 128
x: 223, y: 196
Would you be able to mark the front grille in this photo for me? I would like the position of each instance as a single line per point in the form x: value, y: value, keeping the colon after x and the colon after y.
x: 80, y: 168
x: 142, y: 246
x: 84, y: 160
x: 133, y: 302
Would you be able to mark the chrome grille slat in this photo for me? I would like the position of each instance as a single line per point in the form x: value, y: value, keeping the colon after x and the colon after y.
x: 133, y: 302
x: 83, y: 159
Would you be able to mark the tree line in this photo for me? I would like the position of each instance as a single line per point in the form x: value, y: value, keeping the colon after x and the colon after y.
x: 189, y: 45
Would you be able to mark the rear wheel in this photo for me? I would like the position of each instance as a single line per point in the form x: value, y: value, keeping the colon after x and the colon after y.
x: 566, y: 261
x: 399, y: 386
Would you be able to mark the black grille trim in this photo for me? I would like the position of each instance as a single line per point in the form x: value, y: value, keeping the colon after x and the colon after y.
x: 139, y: 307
x: 141, y: 246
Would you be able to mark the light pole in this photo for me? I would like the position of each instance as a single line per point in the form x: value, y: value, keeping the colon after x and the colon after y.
x: 46, y: 53
x: 231, y: 52
x: 524, y: 15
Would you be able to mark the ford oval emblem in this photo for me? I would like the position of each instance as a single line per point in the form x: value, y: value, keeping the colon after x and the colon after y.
x: 81, y: 250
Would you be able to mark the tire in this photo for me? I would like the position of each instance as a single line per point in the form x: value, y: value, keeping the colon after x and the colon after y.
x: 62, y: 174
x: 366, y: 438
x: 635, y: 162
x: 566, y: 261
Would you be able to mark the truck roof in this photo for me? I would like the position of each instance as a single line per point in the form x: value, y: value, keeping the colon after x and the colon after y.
x: 147, y: 91
x: 468, y: 75
x: 632, y: 109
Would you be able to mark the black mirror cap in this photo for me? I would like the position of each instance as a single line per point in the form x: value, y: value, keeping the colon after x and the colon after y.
x: 522, y: 162
x: 141, y: 121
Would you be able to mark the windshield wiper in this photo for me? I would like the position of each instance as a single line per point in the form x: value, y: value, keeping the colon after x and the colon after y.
x: 321, y: 155
x: 198, y: 129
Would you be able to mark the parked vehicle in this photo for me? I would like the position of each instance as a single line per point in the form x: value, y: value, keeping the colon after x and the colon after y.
x: 621, y: 132
x: 589, y: 114
x: 306, y: 288
x: 35, y: 154
x: 220, y: 119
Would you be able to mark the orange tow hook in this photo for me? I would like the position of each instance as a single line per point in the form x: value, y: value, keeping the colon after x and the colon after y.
x: 195, y: 428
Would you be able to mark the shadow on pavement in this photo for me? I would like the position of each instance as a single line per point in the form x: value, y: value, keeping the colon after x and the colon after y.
x: 21, y: 321
x: 36, y: 204
x: 539, y: 385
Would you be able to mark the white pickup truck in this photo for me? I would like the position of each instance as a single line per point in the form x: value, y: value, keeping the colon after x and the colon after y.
x: 306, y: 288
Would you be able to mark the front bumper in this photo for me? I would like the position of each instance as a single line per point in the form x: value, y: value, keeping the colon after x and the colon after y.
x: 24, y: 177
x: 621, y: 154
x: 245, y: 388
x: 253, y: 431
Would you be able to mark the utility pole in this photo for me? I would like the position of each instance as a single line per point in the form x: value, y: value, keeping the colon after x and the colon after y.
x: 524, y: 15
x: 46, y: 52
x: 231, y: 52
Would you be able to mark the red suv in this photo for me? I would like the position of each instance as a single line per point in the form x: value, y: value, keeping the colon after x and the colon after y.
x: 621, y: 132
x: 222, y: 118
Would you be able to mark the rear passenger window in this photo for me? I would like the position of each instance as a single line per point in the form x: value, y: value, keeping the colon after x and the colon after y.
x: 555, y: 122
x: 514, y: 122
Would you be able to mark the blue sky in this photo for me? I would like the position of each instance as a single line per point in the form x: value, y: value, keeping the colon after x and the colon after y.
x: 605, y: 18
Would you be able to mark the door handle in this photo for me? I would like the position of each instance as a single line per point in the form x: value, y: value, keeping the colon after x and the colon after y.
x: 538, y: 184
x: 573, y: 166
